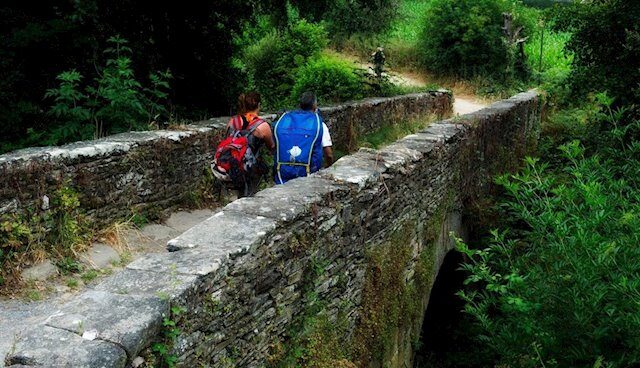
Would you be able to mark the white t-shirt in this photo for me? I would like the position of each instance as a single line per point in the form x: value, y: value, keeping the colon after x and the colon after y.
x: 326, y: 137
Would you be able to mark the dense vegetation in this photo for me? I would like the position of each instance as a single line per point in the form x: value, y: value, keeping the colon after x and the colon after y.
x: 464, y: 37
x: 41, y: 42
x: 556, y: 284
x: 80, y: 70
x: 65, y: 79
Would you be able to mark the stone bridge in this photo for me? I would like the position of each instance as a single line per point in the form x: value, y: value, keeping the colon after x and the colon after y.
x: 338, y: 265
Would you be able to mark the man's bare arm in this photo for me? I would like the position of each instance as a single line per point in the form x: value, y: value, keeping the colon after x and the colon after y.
x: 328, y: 156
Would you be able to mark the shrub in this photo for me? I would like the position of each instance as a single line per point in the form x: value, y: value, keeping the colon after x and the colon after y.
x: 332, y: 79
x: 60, y: 232
x: 69, y: 108
x: 464, y: 37
x: 271, y: 63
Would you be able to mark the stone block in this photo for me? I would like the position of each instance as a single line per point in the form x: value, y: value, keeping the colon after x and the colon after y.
x: 159, y: 232
x: 100, y: 256
x: 136, y: 282
x: 184, y: 220
x: 360, y: 169
x: 128, y: 321
x: 52, y: 347
x: 201, y: 260
x: 226, y: 231
x: 286, y: 203
x: 39, y: 272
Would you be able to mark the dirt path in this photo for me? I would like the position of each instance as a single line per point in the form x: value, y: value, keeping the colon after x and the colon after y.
x: 464, y: 103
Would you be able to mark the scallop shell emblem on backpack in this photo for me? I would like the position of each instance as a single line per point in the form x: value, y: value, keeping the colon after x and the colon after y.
x: 294, y: 152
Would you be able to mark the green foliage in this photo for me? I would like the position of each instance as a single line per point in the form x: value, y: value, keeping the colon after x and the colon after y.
x: 68, y: 228
x: 72, y: 283
x: 139, y: 220
x: 389, y: 302
x: 605, y: 42
x: 464, y: 37
x: 407, y: 26
x: 170, y: 333
x: 117, y: 102
x: 208, y: 192
x: 344, y: 18
x: 272, y: 61
x: 545, y: 3
x: 69, y: 108
x: 68, y: 265
x: 38, y: 42
x: 89, y: 276
x: 561, y: 288
x: 332, y: 79
x: 117, y: 97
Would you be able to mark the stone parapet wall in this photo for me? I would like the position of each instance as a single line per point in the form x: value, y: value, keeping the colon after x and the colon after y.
x: 358, y: 243
x: 351, y: 121
x: 149, y: 172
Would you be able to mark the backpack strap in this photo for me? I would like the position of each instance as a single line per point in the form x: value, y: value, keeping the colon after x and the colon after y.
x: 233, y: 126
x: 245, y: 122
x: 319, y: 131
x: 255, y: 126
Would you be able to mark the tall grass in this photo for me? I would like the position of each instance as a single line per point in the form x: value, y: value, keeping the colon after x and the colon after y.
x: 400, y: 42
x: 408, y: 25
x: 553, y: 65
x: 402, y: 50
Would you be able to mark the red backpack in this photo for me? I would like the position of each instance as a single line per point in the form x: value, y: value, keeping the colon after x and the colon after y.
x: 234, y: 157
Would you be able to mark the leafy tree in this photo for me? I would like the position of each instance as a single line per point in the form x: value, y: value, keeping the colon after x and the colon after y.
x: 366, y: 17
x: 271, y: 63
x: 605, y: 41
x: 464, y: 37
x: 343, y: 18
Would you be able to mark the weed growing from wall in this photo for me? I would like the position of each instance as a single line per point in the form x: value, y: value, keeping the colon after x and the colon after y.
x: 170, y: 332
x: 58, y: 229
x: 316, y: 340
x: 208, y: 192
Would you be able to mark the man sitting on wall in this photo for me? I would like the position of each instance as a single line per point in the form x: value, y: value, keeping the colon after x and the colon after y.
x: 302, y: 141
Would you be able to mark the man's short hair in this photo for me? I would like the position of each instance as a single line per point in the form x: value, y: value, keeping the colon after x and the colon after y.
x: 308, y: 100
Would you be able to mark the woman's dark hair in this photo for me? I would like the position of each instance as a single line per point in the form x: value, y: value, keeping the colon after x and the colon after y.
x: 248, y: 102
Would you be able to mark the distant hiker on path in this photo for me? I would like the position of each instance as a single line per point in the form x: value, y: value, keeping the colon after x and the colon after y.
x: 302, y: 141
x: 237, y: 159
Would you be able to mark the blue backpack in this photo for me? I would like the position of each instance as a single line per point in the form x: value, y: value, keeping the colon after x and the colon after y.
x: 298, y: 136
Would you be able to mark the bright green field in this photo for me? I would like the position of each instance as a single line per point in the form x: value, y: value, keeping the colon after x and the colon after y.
x: 409, y: 21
